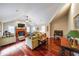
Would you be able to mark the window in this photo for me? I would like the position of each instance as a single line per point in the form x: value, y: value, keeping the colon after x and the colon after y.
x: 28, y: 29
x: 42, y: 29
x: 33, y: 29
x: 11, y: 29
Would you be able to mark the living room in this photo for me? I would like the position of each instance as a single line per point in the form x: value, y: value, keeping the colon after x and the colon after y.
x: 41, y: 29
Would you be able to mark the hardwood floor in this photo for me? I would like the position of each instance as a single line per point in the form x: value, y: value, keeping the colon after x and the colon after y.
x: 20, y: 49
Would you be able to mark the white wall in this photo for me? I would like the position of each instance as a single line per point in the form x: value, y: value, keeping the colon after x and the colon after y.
x: 1, y: 28
x: 74, y: 10
x: 70, y: 18
x: 59, y: 24
x: 11, y: 23
x: 5, y: 25
x: 15, y: 22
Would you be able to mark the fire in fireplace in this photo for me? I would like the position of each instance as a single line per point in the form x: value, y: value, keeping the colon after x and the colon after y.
x: 21, y: 34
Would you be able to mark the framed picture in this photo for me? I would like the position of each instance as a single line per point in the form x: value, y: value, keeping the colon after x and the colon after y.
x: 76, y: 21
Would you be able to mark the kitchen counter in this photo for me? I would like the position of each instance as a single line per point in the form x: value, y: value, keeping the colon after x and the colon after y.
x: 7, y: 40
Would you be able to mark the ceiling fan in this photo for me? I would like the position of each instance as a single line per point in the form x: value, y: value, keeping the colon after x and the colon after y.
x: 24, y: 17
x: 27, y: 19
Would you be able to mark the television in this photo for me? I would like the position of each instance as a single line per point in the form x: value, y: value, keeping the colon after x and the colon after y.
x: 21, y: 25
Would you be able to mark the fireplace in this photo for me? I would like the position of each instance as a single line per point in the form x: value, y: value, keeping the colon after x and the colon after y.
x: 21, y: 34
x: 58, y: 33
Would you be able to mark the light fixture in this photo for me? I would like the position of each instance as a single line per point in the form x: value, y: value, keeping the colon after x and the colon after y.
x: 27, y: 19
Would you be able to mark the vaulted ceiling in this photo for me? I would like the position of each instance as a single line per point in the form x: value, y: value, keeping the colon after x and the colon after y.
x: 38, y: 13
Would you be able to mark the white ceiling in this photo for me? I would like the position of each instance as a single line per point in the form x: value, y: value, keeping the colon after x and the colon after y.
x: 39, y: 13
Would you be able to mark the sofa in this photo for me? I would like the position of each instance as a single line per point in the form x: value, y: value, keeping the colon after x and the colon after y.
x: 32, y: 41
